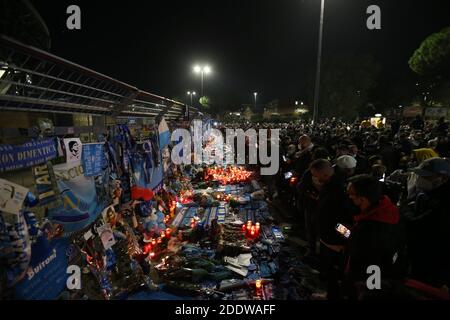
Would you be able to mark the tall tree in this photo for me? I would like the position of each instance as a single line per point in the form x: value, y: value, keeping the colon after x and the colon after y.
x: 346, y: 83
x: 431, y: 61
x: 433, y: 56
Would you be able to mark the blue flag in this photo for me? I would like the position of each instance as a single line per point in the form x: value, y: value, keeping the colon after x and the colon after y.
x: 93, y: 159
x: 164, y: 134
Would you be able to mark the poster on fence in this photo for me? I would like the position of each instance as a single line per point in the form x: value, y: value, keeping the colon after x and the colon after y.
x: 74, y: 149
x: 11, y: 196
x: 80, y: 204
x: 93, y: 159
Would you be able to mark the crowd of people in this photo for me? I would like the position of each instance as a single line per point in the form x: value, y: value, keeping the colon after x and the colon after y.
x: 370, y: 197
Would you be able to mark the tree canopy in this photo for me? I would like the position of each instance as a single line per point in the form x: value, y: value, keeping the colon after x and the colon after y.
x: 432, y: 58
x: 346, y: 83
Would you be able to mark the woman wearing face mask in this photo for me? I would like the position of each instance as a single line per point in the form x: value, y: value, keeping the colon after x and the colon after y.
x: 428, y: 224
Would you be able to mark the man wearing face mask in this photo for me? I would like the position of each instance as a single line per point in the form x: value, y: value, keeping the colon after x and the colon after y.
x: 428, y: 223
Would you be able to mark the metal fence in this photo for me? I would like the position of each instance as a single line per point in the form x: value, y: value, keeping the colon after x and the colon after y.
x: 34, y: 80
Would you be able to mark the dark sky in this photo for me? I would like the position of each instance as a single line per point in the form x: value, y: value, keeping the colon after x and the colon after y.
x: 268, y: 46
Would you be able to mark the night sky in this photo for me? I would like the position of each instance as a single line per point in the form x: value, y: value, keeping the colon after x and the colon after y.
x: 252, y: 45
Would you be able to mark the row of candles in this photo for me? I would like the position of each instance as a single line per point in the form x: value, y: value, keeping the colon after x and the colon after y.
x: 228, y: 175
x: 151, y: 246
x: 250, y: 229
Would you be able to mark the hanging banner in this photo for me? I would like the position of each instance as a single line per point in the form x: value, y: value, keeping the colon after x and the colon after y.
x: 45, y: 183
x: 164, y: 134
x: 93, y: 159
x: 15, y: 248
x: 11, y: 196
x: 73, y: 150
x: 80, y: 206
x: 149, y: 178
x: 46, y: 276
x: 27, y: 155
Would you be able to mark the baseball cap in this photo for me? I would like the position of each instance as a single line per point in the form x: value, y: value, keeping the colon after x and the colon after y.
x: 346, y: 162
x: 433, y: 166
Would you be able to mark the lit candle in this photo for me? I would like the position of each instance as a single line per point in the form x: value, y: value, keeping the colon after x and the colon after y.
x: 258, y: 284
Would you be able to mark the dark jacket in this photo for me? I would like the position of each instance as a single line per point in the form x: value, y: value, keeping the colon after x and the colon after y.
x: 302, y: 163
x: 362, y: 165
x: 308, y: 194
x: 428, y: 238
x: 377, y: 238
x: 334, y: 207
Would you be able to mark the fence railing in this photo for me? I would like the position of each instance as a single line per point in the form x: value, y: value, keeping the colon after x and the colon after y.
x: 34, y: 80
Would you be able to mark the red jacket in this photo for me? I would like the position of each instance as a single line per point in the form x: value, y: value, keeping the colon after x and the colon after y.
x: 385, y: 212
x: 375, y: 239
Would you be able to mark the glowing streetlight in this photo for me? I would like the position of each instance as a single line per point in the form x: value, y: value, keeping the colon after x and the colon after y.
x: 202, y: 70
x: 189, y: 93
x: 197, y: 69
x: 256, y: 95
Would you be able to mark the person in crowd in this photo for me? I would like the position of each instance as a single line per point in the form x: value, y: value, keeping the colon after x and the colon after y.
x: 428, y: 223
x: 362, y: 166
x: 345, y: 167
x: 404, y: 144
x: 333, y: 207
x: 378, y: 171
x: 388, y: 153
x: 377, y: 237
x: 308, y: 195
x: 442, y: 126
x: 304, y: 155
x: 443, y: 145
x: 418, y: 123
x: 375, y: 159
x: 422, y: 154
x: 395, y: 126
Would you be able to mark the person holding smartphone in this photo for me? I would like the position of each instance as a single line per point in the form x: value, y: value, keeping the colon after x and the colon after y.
x: 333, y: 207
x: 377, y: 237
